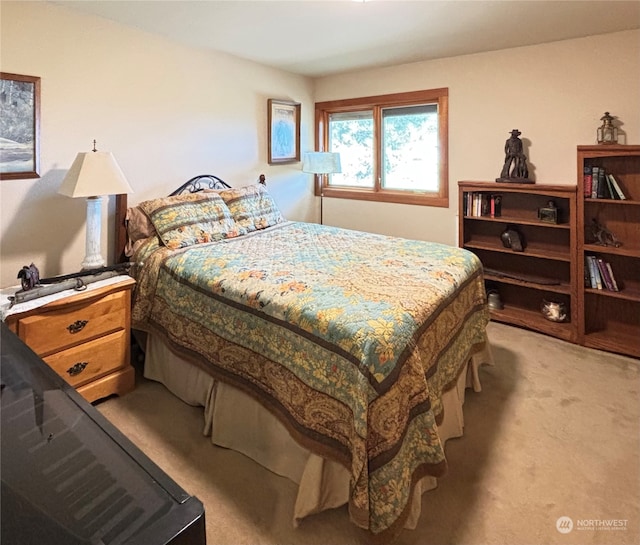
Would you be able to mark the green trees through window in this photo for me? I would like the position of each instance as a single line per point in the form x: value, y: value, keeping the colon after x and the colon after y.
x: 392, y: 148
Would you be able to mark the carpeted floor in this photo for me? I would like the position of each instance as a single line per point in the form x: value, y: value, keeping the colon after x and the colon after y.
x: 554, y: 433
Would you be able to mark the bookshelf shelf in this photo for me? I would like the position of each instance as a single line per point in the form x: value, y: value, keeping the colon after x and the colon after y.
x: 626, y: 202
x: 533, y: 319
x: 626, y: 294
x: 629, y: 250
x: 610, y: 320
x: 530, y: 251
x: 514, y: 219
x: 545, y: 270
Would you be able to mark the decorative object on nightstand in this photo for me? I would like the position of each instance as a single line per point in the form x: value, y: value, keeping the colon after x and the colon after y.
x: 34, y: 287
x: 93, y: 175
x: 607, y: 132
x: 321, y: 163
x: 515, y: 168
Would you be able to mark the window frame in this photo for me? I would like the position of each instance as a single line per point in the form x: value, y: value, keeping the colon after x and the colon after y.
x: 440, y: 97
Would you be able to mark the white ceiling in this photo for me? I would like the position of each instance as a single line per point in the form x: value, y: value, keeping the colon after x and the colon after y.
x: 318, y: 38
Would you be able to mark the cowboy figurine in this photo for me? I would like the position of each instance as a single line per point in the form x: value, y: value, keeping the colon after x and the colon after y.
x: 515, y: 162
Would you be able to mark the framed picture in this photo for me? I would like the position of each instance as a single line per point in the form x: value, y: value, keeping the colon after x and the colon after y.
x: 19, y: 126
x: 284, y: 132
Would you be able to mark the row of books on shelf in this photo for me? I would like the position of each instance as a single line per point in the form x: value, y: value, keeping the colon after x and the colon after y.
x: 598, y: 274
x: 598, y: 184
x: 482, y: 204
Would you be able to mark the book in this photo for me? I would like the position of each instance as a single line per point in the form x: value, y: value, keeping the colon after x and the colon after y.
x: 604, y: 274
x: 602, y: 184
x: 587, y: 273
x: 596, y: 281
x: 587, y: 182
x: 594, y: 182
x: 613, y: 278
x: 611, y: 192
x: 616, y: 187
x: 484, y: 206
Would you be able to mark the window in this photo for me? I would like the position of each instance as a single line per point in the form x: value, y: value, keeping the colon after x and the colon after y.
x: 393, y: 148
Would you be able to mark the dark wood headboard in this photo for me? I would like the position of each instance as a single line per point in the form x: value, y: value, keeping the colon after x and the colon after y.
x: 195, y: 184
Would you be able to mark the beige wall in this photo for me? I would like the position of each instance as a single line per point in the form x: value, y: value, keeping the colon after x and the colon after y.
x: 167, y: 113
x: 554, y: 94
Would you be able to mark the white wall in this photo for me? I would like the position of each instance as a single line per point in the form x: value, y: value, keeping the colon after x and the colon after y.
x: 167, y: 113
x: 554, y: 94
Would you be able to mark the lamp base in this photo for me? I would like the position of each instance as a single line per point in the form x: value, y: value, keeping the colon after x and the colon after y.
x: 88, y: 264
x: 93, y: 258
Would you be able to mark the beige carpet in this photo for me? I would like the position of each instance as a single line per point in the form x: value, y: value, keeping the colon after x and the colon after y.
x: 555, y: 432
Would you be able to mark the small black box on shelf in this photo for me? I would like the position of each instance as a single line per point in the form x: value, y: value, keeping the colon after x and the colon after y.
x: 549, y: 213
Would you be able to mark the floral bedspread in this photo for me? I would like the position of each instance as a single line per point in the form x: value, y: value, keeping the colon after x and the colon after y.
x: 350, y: 338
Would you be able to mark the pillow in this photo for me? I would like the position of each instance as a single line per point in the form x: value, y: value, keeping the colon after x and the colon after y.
x: 139, y: 228
x: 252, y: 207
x: 139, y: 225
x: 195, y: 218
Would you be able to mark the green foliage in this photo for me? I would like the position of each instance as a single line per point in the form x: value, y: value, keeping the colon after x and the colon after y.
x: 408, y: 143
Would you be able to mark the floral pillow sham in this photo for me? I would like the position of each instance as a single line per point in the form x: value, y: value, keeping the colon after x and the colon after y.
x: 252, y: 207
x: 185, y: 220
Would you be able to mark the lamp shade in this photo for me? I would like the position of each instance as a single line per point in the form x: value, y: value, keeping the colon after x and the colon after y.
x: 321, y: 162
x: 94, y: 173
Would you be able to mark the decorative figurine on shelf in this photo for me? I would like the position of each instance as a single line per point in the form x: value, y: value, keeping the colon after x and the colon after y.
x: 494, y: 301
x: 512, y: 238
x: 549, y: 213
x: 607, y: 132
x: 515, y: 168
x: 556, y: 312
x: 600, y: 235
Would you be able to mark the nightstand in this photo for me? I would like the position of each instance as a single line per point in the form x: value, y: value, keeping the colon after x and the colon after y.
x: 84, y: 337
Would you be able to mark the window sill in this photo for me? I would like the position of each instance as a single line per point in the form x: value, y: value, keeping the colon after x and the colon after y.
x: 404, y: 197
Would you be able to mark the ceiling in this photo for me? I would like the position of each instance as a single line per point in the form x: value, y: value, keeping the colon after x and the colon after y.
x: 319, y: 38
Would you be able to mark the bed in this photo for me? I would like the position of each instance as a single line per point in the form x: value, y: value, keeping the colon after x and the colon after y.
x: 336, y: 358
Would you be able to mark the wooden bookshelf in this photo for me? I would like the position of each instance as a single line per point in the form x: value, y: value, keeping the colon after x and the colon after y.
x: 610, y: 320
x: 545, y: 270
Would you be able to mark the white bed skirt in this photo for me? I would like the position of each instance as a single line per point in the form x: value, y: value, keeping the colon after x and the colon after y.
x: 238, y: 422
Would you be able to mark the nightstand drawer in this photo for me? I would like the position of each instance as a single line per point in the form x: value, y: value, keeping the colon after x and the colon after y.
x: 93, y: 359
x: 60, y: 329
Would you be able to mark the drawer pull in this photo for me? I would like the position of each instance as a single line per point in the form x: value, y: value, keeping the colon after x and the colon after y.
x: 77, y: 368
x: 77, y: 326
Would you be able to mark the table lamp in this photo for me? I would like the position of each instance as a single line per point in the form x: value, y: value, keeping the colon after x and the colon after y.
x: 92, y: 175
x: 321, y: 162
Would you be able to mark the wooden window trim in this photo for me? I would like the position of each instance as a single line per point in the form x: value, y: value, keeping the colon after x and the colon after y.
x: 438, y: 96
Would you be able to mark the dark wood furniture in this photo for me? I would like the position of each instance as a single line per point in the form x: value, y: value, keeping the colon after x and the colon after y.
x: 70, y: 477
x: 610, y: 320
x: 545, y: 271
x: 85, y: 338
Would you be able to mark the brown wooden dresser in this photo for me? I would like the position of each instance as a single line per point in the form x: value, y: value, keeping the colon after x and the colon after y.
x: 84, y: 337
